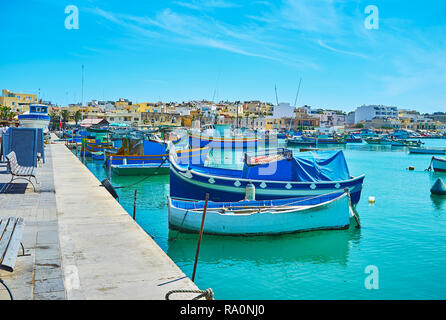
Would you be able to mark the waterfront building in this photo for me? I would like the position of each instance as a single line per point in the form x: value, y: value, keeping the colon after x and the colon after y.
x: 350, y: 119
x: 367, y: 113
x: 161, y: 118
x: 332, y: 118
x: 18, y: 102
x: 283, y: 110
x: 381, y: 123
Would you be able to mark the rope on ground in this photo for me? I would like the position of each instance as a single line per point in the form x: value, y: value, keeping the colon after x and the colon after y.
x: 208, y: 293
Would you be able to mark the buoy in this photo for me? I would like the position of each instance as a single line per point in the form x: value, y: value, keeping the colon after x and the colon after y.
x: 439, y: 188
x: 371, y: 199
x: 250, y: 192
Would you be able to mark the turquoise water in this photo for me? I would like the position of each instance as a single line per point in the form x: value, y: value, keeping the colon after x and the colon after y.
x: 403, y: 234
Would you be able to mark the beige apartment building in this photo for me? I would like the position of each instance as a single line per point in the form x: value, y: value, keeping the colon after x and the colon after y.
x: 18, y: 102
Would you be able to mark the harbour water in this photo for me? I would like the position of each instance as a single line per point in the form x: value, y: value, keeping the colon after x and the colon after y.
x: 403, y: 235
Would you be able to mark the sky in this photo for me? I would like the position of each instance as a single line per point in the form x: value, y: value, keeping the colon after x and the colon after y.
x: 150, y: 50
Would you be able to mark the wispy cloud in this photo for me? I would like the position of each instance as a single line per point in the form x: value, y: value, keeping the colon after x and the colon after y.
x: 322, y: 44
x: 207, y: 4
x: 204, y: 31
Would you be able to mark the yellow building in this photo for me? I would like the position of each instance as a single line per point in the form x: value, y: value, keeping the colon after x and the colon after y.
x: 145, y: 107
x: 18, y: 102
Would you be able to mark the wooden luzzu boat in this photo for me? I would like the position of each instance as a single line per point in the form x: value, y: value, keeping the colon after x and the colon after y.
x: 186, y: 156
x: 276, y: 177
x: 267, y: 217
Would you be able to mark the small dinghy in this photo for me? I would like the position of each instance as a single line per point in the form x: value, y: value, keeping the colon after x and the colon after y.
x: 439, y: 188
x: 266, y: 217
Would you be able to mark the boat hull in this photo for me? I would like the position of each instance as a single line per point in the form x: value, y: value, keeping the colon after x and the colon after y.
x: 140, y: 170
x: 328, y: 215
x: 323, y: 140
x: 34, y: 123
x: 190, y: 184
x: 426, y: 151
x: 292, y: 142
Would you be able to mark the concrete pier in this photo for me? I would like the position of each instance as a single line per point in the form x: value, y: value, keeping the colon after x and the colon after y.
x: 82, y: 243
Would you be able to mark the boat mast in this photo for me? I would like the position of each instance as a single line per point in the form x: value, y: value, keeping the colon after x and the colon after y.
x: 277, y: 100
x: 82, y: 97
x: 295, y: 100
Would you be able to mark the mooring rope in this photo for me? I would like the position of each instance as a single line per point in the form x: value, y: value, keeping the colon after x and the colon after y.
x: 208, y: 293
x: 181, y: 226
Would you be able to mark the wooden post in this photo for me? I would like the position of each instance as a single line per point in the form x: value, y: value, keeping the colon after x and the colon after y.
x: 200, y: 236
x: 134, y: 205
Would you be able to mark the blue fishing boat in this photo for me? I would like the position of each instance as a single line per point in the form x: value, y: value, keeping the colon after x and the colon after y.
x: 419, y: 150
x: 352, y: 138
x: 222, y: 142
x: 148, y: 167
x: 138, y: 151
x: 268, y: 217
x: 276, y: 175
x: 324, y: 139
x: 36, y: 117
x: 298, y: 141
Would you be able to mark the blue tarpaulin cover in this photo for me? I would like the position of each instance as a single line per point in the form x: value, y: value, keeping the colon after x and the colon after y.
x: 309, y: 166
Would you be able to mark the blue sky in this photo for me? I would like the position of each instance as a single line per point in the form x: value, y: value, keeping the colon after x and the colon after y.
x: 228, y: 49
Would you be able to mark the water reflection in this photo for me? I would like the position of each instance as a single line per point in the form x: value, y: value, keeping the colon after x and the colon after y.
x: 313, y: 247
x: 439, y: 203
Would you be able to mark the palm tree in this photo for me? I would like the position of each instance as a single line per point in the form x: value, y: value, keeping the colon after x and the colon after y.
x: 5, y: 113
x: 77, y: 116
x: 65, y: 115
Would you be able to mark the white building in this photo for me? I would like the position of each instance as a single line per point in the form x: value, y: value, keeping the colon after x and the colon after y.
x: 283, y: 110
x: 365, y: 113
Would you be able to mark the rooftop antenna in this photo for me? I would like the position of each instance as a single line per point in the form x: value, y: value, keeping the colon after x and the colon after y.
x: 277, y: 100
x: 297, y: 94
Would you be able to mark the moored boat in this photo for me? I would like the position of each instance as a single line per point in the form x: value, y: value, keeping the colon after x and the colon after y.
x: 283, y: 176
x: 419, y: 150
x: 379, y: 141
x: 324, y: 139
x: 268, y: 217
x: 438, y: 164
x: 140, y: 169
x: 298, y: 141
x: 405, y: 143
x: 352, y: 138
x: 36, y: 117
